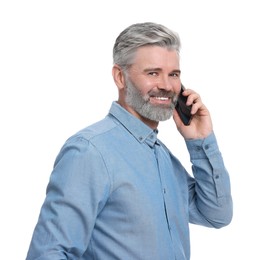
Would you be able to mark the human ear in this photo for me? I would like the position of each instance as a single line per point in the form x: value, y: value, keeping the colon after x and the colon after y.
x: 118, y: 76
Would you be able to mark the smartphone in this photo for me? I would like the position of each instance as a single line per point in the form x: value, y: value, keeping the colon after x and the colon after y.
x: 182, y: 109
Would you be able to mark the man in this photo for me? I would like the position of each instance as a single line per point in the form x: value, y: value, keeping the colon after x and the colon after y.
x: 116, y: 191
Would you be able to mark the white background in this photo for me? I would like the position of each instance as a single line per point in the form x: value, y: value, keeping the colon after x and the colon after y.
x: 55, y: 78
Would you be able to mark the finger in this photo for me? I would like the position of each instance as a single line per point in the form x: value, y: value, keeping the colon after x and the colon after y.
x: 195, y: 101
x: 193, y: 98
x: 195, y: 107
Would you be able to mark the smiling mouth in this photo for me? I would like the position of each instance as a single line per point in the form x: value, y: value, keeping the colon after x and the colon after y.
x: 162, y: 98
x: 163, y: 101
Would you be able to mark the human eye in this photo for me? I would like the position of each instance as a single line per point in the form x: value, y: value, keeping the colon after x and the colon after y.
x: 175, y: 74
x: 152, y: 73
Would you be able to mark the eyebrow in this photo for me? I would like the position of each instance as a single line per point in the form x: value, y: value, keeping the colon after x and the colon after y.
x: 159, y: 69
x: 178, y: 71
x: 152, y: 69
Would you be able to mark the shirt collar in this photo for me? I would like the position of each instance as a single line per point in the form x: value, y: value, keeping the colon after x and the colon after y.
x: 135, y: 126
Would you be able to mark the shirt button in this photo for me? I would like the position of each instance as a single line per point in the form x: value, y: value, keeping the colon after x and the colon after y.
x: 164, y: 190
x: 198, y: 148
x: 216, y: 176
x: 206, y: 147
x: 151, y: 136
x: 141, y: 138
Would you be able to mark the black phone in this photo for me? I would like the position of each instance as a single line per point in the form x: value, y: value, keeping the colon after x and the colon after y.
x: 183, y: 110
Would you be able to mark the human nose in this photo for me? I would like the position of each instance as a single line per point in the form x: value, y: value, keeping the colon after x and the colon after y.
x: 165, y: 83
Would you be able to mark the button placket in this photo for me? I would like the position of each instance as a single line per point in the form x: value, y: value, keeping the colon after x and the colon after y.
x: 161, y: 170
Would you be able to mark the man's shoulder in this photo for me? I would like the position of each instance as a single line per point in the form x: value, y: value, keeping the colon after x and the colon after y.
x: 98, y: 129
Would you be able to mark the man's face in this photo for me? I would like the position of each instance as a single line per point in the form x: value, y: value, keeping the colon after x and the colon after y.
x: 153, y: 83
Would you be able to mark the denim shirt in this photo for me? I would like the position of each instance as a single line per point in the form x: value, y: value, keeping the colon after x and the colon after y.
x: 116, y: 192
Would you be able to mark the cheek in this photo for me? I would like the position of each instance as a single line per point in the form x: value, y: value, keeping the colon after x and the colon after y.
x: 145, y: 86
x: 177, y: 87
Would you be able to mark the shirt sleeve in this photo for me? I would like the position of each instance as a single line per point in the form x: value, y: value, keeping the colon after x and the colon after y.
x: 209, y: 191
x: 78, y: 189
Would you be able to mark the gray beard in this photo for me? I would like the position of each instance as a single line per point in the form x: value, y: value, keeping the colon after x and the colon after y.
x: 142, y: 106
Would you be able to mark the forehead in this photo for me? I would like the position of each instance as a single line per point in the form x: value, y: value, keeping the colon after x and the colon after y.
x: 156, y: 56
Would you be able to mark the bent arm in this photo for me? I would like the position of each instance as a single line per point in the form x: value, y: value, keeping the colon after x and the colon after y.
x: 210, y: 194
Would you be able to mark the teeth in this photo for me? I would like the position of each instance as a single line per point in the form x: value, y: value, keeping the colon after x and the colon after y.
x: 161, y: 98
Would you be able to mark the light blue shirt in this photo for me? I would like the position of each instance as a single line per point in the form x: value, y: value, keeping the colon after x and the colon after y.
x: 116, y: 192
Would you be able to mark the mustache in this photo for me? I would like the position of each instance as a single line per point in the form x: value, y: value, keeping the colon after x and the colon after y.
x: 162, y: 93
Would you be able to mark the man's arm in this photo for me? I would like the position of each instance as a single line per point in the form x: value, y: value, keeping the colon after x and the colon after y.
x: 78, y: 188
x: 210, y: 194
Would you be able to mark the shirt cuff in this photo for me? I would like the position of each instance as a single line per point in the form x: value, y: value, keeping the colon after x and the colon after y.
x: 202, y: 148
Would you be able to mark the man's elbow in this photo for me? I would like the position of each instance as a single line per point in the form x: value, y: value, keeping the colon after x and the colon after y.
x: 225, y: 215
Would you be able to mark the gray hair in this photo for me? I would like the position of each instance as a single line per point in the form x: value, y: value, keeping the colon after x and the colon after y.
x: 142, y: 34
